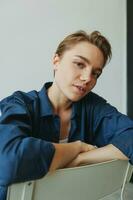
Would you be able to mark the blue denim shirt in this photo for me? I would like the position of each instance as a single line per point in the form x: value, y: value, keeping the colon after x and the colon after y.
x: 24, y: 156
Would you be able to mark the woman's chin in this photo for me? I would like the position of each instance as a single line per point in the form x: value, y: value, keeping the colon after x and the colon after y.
x: 75, y: 98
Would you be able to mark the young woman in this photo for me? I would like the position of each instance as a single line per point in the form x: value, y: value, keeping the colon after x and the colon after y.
x: 64, y: 124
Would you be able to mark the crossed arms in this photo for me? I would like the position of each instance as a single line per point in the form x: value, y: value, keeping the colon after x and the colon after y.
x: 79, y: 153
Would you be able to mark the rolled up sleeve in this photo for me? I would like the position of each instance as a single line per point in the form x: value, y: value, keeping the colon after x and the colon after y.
x: 22, y: 157
x: 113, y: 127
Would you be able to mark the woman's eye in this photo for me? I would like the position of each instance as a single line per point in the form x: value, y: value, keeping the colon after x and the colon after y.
x: 79, y: 64
x: 96, y: 74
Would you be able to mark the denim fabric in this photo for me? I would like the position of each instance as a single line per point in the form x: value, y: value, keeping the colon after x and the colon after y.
x: 24, y: 156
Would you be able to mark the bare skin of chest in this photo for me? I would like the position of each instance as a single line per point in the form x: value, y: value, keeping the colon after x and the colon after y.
x: 65, y: 124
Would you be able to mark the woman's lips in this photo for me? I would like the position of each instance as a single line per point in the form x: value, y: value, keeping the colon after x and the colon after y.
x: 80, y: 89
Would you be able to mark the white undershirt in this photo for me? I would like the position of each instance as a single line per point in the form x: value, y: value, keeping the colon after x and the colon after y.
x: 64, y: 140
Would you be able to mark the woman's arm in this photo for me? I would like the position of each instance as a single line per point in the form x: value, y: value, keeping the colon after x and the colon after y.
x: 65, y: 153
x: 97, y: 155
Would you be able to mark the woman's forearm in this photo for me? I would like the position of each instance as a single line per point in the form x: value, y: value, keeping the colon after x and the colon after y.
x: 97, y: 155
x: 65, y: 153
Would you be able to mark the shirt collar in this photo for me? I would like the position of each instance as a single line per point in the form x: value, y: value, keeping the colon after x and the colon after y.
x: 76, y: 110
x: 46, y: 106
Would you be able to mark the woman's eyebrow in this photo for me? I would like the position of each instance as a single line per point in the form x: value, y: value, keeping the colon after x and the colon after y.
x: 83, y: 58
x: 87, y: 60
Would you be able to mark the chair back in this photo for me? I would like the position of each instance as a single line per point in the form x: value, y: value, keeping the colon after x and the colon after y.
x: 90, y: 182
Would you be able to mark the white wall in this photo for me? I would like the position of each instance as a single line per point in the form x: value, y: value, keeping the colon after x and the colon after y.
x: 30, y: 31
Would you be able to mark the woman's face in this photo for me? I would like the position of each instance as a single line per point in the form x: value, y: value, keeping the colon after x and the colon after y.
x: 77, y: 70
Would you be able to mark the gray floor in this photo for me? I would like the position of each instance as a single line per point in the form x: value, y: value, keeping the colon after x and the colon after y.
x: 128, y: 194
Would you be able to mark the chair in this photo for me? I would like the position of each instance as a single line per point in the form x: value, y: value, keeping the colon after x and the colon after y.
x: 91, y: 182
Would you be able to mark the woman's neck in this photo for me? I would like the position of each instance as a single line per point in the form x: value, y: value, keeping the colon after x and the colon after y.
x: 59, y: 102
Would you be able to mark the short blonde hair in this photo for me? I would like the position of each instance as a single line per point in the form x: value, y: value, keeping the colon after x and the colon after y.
x: 95, y: 38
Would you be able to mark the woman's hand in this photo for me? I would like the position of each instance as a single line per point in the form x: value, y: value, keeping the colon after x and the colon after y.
x: 80, y: 159
x: 96, y: 155
x: 66, y: 153
x: 86, y: 147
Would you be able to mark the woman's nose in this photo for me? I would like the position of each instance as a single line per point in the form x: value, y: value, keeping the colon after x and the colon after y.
x: 86, y: 76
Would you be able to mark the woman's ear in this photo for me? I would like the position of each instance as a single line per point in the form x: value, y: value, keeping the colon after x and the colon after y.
x: 56, y: 60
